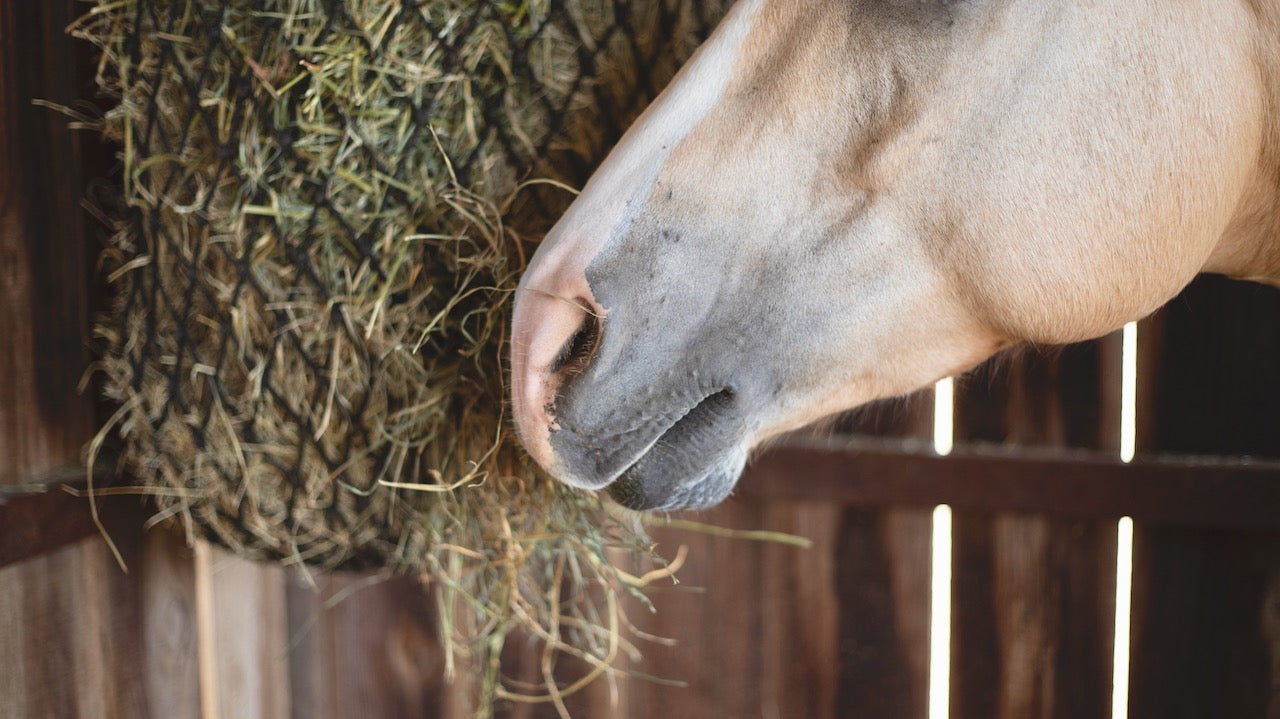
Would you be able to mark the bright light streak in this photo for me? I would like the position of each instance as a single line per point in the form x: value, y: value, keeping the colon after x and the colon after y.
x: 1124, y: 528
x: 940, y: 616
x: 943, y: 408
x: 1124, y: 604
x: 940, y: 584
x: 1129, y: 392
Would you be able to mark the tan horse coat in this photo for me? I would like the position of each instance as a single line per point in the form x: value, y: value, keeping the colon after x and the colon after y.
x: 839, y: 201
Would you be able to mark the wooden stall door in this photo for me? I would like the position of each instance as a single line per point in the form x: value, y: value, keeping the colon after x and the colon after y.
x: 1206, y: 619
x: 1033, y: 596
x: 760, y: 629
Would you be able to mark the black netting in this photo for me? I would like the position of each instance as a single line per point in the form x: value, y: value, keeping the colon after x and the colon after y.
x: 325, y: 207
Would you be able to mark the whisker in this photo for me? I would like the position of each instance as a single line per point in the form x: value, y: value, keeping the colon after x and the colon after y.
x: 562, y: 298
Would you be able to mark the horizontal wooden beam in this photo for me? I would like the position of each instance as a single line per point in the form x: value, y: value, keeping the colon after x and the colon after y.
x: 1192, y: 491
x: 1170, y: 490
x: 42, y: 521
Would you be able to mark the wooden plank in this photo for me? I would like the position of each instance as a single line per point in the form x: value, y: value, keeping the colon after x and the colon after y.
x: 80, y: 638
x: 44, y: 266
x: 1204, y: 624
x: 1033, y: 596
x: 32, y: 524
x: 883, y: 587
x: 366, y: 645
x: 1160, y: 489
x: 1205, y: 638
x: 1031, y: 627
x: 243, y: 635
x: 882, y: 569
x: 716, y: 617
x: 54, y: 641
x: 165, y: 572
x: 1171, y: 490
x: 753, y: 623
x: 1211, y: 359
x: 801, y: 669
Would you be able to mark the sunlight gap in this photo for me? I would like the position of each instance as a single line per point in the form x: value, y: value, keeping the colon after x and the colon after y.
x: 1124, y: 528
x: 940, y: 583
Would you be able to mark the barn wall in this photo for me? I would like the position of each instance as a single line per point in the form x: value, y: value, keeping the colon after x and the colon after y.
x: 760, y: 629
x: 1207, y: 600
x: 66, y: 617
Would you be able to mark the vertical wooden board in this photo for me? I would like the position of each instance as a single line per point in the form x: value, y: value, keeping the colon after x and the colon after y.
x: 1033, y: 597
x: 977, y: 662
x: 882, y: 569
x: 365, y: 645
x: 1204, y: 639
x: 522, y: 664
x: 753, y: 624
x: 715, y: 616
x: 69, y: 645
x: 43, y: 249
x: 1212, y: 381
x: 243, y: 636
x: 368, y: 645
x: 883, y: 587
x: 170, y: 663
x: 313, y: 653
x: 801, y: 648
x: 1032, y: 617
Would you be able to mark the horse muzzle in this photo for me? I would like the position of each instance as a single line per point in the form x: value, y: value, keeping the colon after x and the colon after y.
x: 595, y: 416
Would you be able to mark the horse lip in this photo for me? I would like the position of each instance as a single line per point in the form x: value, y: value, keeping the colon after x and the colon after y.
x: 631, y: 490
x: 707, y: 489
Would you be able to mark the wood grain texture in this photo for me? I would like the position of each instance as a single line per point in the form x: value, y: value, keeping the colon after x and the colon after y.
x: 1183, y: 490
x: 1033, y: 597
x: 81, y: 638
x: 57, y: 639
x: 243, y: 636
x: 1205, y: 639
x: 882, y: 563
x: 802, y: 664
x: 366, y: 645
x: 71, y: 643
x: 44, y: 266
x: 167, y: 600
x: 33, y: 524
x: 751, y: 624
x: 716, y: 617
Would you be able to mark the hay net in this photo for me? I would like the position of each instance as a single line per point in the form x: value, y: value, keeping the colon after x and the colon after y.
x: 325, y: 205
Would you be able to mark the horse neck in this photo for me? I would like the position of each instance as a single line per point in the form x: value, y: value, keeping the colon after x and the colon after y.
x: 1250, y: 248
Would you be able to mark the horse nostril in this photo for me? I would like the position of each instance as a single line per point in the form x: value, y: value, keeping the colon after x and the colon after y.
x: 577, y: 351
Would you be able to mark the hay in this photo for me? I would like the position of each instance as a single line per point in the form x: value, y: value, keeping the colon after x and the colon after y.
x: 325, y: 208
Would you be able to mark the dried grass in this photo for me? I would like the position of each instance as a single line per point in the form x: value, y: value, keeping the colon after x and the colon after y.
x: 319, y: 233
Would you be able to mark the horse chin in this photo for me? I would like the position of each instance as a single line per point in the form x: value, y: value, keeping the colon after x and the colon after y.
x: 660, y: 454
x: 657, y: 482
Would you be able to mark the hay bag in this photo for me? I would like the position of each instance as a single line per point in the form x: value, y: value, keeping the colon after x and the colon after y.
x: 324, y: 208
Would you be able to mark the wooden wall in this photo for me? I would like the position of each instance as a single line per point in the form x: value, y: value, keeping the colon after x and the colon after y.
x: 763, y: 630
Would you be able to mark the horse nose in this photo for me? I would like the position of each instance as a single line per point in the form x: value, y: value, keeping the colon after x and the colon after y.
x: 554, y: 337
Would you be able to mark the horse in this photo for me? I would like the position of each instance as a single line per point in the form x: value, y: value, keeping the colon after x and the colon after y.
x: 836, y: 201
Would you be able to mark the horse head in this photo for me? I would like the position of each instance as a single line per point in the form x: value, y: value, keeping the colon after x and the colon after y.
x: 838, y: 201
